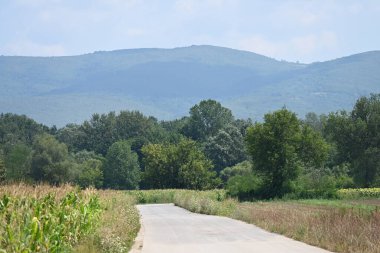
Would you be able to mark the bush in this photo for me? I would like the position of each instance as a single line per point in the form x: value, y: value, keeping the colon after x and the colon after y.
x: 315, y: 183
x: 243, y: 169
x: 244, y: 187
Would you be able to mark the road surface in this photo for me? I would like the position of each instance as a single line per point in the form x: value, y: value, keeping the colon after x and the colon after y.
x: 170, y: 229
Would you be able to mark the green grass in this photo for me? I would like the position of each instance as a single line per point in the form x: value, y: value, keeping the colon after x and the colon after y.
x: 359, y: 204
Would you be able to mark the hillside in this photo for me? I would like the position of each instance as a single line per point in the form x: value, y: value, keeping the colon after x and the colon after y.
x: 165, y: 83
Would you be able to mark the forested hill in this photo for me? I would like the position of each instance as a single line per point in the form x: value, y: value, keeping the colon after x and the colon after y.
x: 166, y: 82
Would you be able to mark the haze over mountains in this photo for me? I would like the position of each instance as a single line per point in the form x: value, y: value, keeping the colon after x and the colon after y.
x: 165, y: 83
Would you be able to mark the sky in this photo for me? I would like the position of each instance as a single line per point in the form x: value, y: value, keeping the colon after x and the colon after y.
x: 292, y: 30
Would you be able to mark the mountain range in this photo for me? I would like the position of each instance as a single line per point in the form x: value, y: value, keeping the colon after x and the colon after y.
x: 165, y: 83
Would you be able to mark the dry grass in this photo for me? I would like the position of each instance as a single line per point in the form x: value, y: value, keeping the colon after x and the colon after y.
x: 336, y: 229
x: 118, y: 227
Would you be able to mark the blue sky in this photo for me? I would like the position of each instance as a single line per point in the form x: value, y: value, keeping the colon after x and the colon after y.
x: 293, y: 30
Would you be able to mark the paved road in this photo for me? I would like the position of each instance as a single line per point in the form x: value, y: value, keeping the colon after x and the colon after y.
x: 170, y: 229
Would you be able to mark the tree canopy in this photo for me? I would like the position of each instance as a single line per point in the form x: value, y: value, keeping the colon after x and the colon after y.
x: 121, y: 169
x: 277, y: 148
x: 181, y: 165
x: 357, y: 139
x: 206, y: 119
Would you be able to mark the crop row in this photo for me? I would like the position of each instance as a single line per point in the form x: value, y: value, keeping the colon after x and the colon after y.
x: 46, y: 223
x: 359, y: 193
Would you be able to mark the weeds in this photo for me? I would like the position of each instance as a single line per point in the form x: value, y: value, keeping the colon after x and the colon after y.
x: 118, y: 226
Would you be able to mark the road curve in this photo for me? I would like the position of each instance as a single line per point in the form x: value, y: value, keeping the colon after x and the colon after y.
x: 171, y: 229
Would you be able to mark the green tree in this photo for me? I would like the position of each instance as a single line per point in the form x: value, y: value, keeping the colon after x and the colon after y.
x: 159, y: 172
x: 277, y: 150
x: 2, y: 171
x: 245, y: 187
x: 241, y: 169
x: 121, y: 169
x: 50, y: 160
x: 131, y: 124
x: 206, y: 119
x: 18, y: 161
x: 226, y: 148
x: 89, y: 169
x: 73, y: 136
x: 99, y: 132
x: 181, y: 165
x: 195, y: 170
x: 316, y: 122
x: 19, y: 128
x: 356, y: 136
x: 103, y: 130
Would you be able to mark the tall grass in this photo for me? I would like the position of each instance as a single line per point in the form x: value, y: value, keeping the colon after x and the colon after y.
x: 118, y: 226
x: 339, y: 229
x: 207, y: 202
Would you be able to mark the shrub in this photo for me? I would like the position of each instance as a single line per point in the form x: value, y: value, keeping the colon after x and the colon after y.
x: 244, y: 187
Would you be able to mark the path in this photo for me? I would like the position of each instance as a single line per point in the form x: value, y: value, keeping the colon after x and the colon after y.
x: 170, y: 229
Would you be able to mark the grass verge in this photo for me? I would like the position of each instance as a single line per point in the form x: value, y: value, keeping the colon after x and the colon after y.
x: 118, y: 227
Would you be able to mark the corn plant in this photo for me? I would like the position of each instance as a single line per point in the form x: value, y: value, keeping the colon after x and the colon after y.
x: 359, y: 193
x: 46, y: 223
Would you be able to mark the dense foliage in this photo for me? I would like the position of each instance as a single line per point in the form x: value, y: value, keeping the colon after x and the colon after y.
x: 281, y: 156
x: 280, y: 147
x: 181, y: 165
x: 121, y: 170
x: 46, y: 223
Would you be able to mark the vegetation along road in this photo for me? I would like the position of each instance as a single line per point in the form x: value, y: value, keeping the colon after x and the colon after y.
x: 168, y: 228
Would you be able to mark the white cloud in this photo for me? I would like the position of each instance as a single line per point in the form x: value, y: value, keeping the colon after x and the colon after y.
x: 28, y: 48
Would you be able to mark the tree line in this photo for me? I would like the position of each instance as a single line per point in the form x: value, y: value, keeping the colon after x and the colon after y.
x: 282, y: 155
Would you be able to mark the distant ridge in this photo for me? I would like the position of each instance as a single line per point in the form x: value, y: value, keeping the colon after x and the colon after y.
x: 165, y: 83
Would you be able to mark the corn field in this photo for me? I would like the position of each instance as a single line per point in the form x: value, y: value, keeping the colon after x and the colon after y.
x: 359, y: 193
x: 45, y: 219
